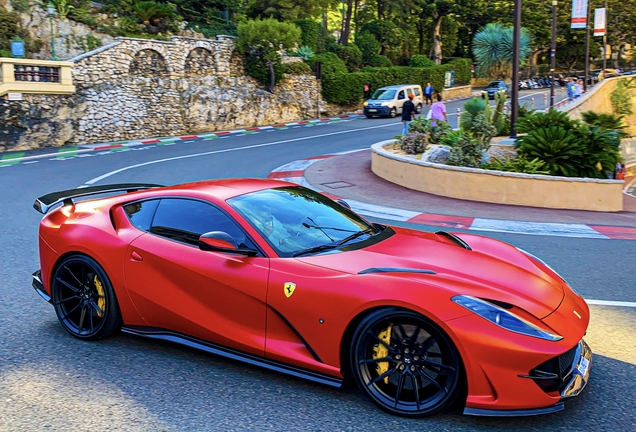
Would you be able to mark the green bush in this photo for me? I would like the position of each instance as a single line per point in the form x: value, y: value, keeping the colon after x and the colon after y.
x: 297, y: 68
x: 369, y: 46
x: 331, y: 63
x: 621, y: 98
x: 414, y: 142
x: 467, y: 151
x: 256, y: 67
x: 310, y: 31
x: 560, y: 150
x: 520, y: 164
x: 351, y: 55
x: 378, y: 60
x: 421, y: 61
x: 463, y: 70
x: 434, y: 133
x: 343, y: 88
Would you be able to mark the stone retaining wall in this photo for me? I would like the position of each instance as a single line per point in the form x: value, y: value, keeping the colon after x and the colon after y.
x: 136, y: 88
x: 497, y: 186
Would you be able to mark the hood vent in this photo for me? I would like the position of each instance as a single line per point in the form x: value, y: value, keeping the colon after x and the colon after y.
x: 395, y: 270
x: 454, y: 239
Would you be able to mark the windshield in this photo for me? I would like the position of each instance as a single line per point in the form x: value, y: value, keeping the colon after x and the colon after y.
x: 494, y: 84
x: 383, y: 94
x: 294, y: 220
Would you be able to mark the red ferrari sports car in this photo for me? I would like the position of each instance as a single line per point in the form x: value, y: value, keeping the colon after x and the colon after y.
x: 280, y: 276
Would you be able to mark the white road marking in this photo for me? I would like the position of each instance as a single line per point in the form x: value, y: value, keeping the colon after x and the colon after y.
x: 536, y: 228
x: 381, y: 211
x: 611, y: 303
x: 111, y: 173
x: 31, y: 162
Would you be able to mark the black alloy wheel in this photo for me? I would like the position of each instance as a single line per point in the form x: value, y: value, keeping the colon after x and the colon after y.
x: 418, y: 109
x: 405, y: 363
x: 83, y: 298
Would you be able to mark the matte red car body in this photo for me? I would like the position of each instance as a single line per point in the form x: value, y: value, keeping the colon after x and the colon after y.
x: 239, y: 302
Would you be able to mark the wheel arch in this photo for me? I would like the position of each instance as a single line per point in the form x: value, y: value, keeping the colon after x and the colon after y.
x: 353, y: 324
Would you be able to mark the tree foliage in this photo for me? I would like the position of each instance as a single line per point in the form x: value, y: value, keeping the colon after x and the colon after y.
x: 493, y: 49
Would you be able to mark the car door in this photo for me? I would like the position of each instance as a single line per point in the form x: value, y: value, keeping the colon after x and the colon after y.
x: 213, y: 296
x: 401, y: 98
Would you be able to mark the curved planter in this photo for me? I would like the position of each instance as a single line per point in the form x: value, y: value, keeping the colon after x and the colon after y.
x: 497, y: 186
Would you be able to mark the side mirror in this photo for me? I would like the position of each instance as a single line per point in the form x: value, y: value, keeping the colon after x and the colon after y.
x: 219, y: 241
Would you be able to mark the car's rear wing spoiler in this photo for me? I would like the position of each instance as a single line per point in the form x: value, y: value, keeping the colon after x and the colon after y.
x: 44, y: 203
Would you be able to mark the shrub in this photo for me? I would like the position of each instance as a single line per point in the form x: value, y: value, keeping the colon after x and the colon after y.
x: 378, y: 60
x: 331, y: 63
x: 435, y: 133
x: 351, y: 55
x: 520, y: 164
x: 369, y: 46
x: 310, y: 31
x: 463, y: 70
x: 343, y: 88
x: 536, y: 120
x: 257, y: 67
x: 305, y: 53
x: 414, y: 142
x: 467, y: 151
x: 421, y: 61
x: 297, y: 68
x: 556, y: 147
x: 621, y: 98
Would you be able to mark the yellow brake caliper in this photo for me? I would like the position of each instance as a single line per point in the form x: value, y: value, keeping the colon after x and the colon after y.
x: 381, y: 351
x: 101, y: 300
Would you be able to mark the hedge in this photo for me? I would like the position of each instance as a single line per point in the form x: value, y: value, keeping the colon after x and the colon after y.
x: 310, y: 32
x: 297, y: 68
x: 348, y: 89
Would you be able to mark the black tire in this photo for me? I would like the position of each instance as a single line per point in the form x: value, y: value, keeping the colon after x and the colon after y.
x: 393, y: 112
x: 418, y: 109
x: 84, y: 299
x: 368, y: 115
x: 422, y: 373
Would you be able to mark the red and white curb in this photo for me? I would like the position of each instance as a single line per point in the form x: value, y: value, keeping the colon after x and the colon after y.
x: 294, y: 172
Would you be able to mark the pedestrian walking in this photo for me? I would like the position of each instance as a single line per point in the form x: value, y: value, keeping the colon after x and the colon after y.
x: 408, y: 112
x: 578, y: 89
x: 428, y: 93
x: 438, y: 111
x: 571, y: 89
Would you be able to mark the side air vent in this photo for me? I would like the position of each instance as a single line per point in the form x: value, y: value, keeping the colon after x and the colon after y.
x: 454, y: 239
x: 395, y: 270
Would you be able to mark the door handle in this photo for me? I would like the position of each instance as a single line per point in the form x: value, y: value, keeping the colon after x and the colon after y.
x: 134, y: 256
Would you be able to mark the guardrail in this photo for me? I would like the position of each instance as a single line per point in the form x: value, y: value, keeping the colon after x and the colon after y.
x: 35, y: 76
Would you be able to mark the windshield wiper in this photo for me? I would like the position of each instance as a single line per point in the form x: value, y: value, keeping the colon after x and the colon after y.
x: 315, y: 249
x: 354, y: 235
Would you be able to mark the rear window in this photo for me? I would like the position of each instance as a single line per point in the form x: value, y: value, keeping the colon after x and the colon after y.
x: 417, y: 91
x: 141, y: 213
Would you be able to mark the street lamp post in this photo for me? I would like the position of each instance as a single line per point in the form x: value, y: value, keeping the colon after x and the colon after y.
x: 50, y: 9
x: 516, y: 32
x: 553, y: 52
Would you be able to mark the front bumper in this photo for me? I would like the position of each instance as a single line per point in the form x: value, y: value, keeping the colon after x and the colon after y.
x: 373, y: 110
x: 576, y: 377
x: 39, y: 286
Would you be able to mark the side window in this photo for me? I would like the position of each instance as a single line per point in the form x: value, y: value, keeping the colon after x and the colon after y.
x: 401, y: 94
x: 417, y: 91
x: 141, y: 213
x: 185, y: 220
x: 409, y: 91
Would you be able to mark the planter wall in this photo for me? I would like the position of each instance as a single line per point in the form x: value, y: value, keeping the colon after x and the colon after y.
x: 497, y: 186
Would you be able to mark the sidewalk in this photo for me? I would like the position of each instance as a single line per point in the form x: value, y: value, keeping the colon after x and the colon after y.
x: 349, y: 176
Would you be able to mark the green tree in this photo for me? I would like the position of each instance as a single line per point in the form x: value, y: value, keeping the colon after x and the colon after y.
x: 493, y: 49
x: 287, y: 10
x: 264, y: 38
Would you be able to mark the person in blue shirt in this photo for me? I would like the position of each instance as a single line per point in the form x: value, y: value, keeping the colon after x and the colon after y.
x: 428, y: 93
x: 571, y: 89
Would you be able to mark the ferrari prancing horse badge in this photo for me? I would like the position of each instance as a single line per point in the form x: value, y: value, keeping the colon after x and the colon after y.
x: 289, y: 288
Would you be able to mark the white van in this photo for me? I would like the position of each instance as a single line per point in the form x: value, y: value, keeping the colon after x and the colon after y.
x: 388, y: 101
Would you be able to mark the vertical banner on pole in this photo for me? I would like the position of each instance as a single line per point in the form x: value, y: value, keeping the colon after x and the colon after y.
x: 579, y: 14
x: 599, y: 22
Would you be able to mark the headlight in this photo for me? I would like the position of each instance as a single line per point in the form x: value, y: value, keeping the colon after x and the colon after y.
x: 503, y: 318
x: 536, y: 258
x: 365, y: 104
x: 384, y: 103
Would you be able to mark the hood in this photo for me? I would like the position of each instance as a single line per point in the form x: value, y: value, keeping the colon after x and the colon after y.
x: 466, y: 265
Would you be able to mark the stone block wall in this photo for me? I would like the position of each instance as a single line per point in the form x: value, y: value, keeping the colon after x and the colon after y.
x: 137, y: 88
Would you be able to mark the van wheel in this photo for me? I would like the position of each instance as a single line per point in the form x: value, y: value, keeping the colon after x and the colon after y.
x: 393, y: 113
x: 418, y: 109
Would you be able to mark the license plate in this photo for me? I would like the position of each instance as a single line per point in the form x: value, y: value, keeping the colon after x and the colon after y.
x: 583, y: 366
x: 373, y: 110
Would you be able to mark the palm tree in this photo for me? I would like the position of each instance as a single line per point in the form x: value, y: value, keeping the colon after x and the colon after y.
x: 493, y: 46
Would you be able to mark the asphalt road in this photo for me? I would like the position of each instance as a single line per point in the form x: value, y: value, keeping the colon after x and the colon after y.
x: 50, y: 381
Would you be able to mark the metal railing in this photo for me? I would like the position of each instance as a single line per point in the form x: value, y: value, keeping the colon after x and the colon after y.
x: 28, y: 73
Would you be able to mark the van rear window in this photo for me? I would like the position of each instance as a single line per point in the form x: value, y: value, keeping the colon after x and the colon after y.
x: 417, y: 91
